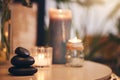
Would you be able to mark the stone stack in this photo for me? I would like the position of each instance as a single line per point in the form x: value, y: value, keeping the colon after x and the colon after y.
x: 22, y: 63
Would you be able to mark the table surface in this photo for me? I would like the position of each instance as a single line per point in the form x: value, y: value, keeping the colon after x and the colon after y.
x: 90, y: 71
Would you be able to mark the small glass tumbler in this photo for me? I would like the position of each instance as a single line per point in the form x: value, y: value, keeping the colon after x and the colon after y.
x: 42, y: 56
x: 74, y: 55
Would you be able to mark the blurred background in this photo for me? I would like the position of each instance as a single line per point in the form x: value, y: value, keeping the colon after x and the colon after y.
x: 96, y: 22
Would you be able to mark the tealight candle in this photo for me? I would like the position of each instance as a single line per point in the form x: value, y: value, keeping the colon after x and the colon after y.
x: 75, y: 44
x: 41, y: 60
x: 43, y: 56
x: 74, y: 55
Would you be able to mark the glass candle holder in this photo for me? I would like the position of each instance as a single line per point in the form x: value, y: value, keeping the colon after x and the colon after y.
x: 42, y: 56
x: 74, y: 54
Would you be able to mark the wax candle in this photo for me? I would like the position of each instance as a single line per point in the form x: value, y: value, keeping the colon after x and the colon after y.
x: 60, y: 23
x: 74, y: 54
x: 75, y: 44
x: 40, y: 60
x: 43, y: 56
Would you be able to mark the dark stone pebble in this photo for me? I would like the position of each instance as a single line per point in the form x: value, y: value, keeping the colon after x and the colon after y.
x: 22, y: 62
x: 22, y: 52
x: 22, y: 71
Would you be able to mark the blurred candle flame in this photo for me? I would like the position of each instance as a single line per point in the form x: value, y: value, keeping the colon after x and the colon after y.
x: 6, y: 34
x: 75, y: 40
x: 41, y: 56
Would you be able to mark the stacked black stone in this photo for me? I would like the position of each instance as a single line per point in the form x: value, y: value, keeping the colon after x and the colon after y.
x: 22, y: 62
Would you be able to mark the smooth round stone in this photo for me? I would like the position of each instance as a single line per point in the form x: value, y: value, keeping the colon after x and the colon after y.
x: 22, y: 71
x: 22, y: 52
x: 22, y: 62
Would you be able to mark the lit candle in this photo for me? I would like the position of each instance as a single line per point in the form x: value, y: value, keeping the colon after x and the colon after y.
x: 74, y: 55
x: 43, y: 57
x: 75, y: 43
x: 60, y: 24
x: 75, y: 40
x: 41, y: 60
x: 60, y: 14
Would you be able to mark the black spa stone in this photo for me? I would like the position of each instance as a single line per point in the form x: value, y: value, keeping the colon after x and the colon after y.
x: 21, y: 61
x: 22, y: 52
x: 22, y: 71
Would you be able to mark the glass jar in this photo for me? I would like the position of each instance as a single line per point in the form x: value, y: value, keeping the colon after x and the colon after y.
x: 74, y: 55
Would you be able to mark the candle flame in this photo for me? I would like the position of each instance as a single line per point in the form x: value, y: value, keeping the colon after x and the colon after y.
x: 60, y: 10
x: 41, y: 56
x: 75, y: 40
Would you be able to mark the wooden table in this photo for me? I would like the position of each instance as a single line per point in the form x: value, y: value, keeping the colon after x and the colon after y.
x: 90, y: 71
